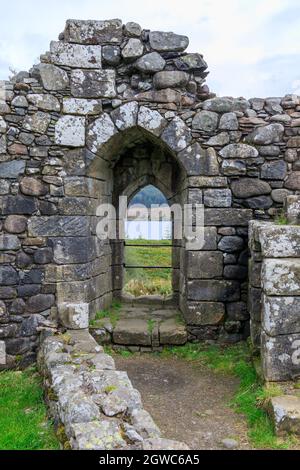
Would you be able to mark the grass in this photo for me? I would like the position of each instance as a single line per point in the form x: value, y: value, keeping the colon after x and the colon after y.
x: 281, y: 219
x: 140, y: 281
x: 23, y: 420
x: 112, y: 314
x: 252, y: 395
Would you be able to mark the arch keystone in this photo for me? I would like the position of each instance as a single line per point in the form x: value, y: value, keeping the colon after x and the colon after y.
x: 151, y: 120
x: 125, y: 116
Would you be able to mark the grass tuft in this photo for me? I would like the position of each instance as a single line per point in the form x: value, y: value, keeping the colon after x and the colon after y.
x: 112, y: 314
x: 23, y: 420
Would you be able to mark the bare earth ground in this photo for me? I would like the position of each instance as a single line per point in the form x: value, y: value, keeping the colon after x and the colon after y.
x: 188, y: 402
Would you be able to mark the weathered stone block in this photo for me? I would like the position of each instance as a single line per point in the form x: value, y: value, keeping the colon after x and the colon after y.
x: 15, y: 224
x: 281, y: 315
x: 70, y: 131
x: 75, y: 55
x: 111, y: 55
x: 11, y: 170
x: 93, y: 32
x: 177, y: 135
x: 172, y: 333
x: 99, y: 132
x: 279, y: 241
x: 207, y: 182
x: 132, y: 332
x: 44, y: 102
x: 8, y: 276
x: 72, y: 250
x: 9, y: 242
x: 33, y: 187
x: 150, y: 63
x: 82, y: 106
x: 293, y: 181
x: 18, y: 205
x: 151, y: 121
x: 74, y: 316
x: 229, y: 122
x: 266, y: 135
x: 170, y: 79
x: 206, y: 121
x: 93, y: 84
x: 40, y: 303
x: 234, y: 168
x: 274, y: 170
x: 217, y: 198
x: 204, y: 264
x: 280, y: 357
x: 125, y: 116
x: 164, y: 42
x: 285, y: 414
x: 204, y: 313
x: 239, y: 151
x: 216, y: 291
x: 249, y: 187
x: 133, y: 49
x: 53, y: 78
x: 292, y: 209
x: 281, y: 277
x: 38, y: 122
x: 227, y: 217
x: 58, y: 226
x: 226, y: 105
x: 198, y: 161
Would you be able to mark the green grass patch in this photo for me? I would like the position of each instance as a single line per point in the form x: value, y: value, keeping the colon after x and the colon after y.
x: 112, y: 314
x: 281, y: 219
x: 252, y: 395
x: 151, y: 326
x: 23, y: 420
x: 140, y: 281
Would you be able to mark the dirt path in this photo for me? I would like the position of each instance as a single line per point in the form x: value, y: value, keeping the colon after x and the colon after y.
x: 188, y: 402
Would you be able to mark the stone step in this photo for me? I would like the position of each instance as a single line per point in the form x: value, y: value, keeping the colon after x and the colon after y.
x: 147, y: 328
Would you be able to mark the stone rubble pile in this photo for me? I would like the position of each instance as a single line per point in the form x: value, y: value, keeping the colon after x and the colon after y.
x: 94, y: 406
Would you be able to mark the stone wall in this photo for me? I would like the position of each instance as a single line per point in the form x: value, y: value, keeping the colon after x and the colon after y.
x: 104, y: 91
x: 94, y: 406
x: 274, y: 298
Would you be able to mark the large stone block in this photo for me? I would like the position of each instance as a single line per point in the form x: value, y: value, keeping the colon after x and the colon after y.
x: 165, y: 42
x: 204, y: 313
x: 74, y: 316
x: 37, y: 122
x: 70, y: 131
x: 72, y: 250
x: 280, y: 241
x: 285, y: 414
x: 292, y: 209
x: 226, y: 105
x: 132, y: 332
x: 151, y: 121
x: 133, y: 49
x: 172, y: 333
x: 248, y: 187
x: 100, y: 132
x: 274, y: 170
x: 207, y: 182
x: 150, y: 63
x: 125, y: 116
x: 231, y: 244
x: 227, y: 217
x: 93, y: 83
x: 8, y: 276
x: 206, y: 121
x: 170, y: 79
x: 293, y: 181
x: 93, y: 32
x: 239, y: 151
x: 281, y: 315
x: 281, y: 277
x: 198, y: 161
x: 177, y: 135
x: 215, y: 291
x: 266, y: 135
x: 280, y: 357
x: 9, y: 242
x: 59, y: 226
x: 18, y: 205
x: 82, y: 106
x: 12, y: 169
x: 44, y: 102
x: 40, y: 303
x: 53, y: 78
x: 75, y: 55
x: 204, y: 264
x: 217, y: 198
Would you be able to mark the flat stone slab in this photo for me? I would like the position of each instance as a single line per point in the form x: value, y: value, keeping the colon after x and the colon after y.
x: 132, y: 332
x: 285, y: 413
x: 171, y: 332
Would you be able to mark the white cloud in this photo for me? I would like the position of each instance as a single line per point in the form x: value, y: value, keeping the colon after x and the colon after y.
x: 240, y: 39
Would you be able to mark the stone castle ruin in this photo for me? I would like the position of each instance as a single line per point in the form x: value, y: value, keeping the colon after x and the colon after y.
x: 110, y: 109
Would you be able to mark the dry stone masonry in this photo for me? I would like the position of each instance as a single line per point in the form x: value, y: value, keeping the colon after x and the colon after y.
x: 110, y: 108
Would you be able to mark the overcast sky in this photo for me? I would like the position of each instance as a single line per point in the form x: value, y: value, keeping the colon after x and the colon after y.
x: 252, y: 46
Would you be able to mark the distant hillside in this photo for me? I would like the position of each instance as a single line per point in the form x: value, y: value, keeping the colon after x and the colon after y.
x: 148, y: 196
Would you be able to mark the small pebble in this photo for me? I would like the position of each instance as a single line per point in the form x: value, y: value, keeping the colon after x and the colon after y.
x: 230, y: 444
